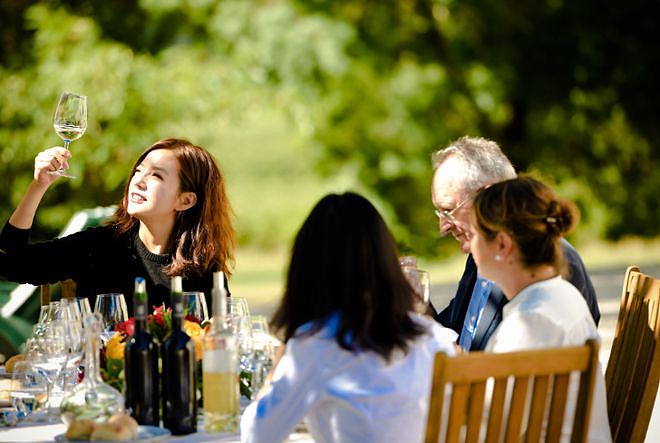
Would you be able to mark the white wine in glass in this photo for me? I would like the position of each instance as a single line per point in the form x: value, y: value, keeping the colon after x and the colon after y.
x: 70, y: 120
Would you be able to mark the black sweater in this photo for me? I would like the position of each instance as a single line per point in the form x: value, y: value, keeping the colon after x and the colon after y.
x: 97, y: 259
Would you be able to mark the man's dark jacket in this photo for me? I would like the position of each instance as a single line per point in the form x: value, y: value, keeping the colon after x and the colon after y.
x: 453, y: 316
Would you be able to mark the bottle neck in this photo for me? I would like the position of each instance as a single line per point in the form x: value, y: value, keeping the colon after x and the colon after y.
x: 177, y: 312
x: 140, y: 315
x: 219, y: 301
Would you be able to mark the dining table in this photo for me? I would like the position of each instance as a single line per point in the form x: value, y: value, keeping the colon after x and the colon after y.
x: 36, y: 432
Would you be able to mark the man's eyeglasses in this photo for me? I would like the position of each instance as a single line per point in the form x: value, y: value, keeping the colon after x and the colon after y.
x: 449, y: 215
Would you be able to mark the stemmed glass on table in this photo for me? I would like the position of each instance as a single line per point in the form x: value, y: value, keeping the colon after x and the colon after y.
x: 238, y: 320
x: 70, y: 121
x: 47, y: 354
x: 112, y: 309
x: 194, y: 305
x: 263, y: 356
x: 28, y: 391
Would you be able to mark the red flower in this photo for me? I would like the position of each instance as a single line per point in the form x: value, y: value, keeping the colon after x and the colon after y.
x: 126, y: 327
x: 159, y: 312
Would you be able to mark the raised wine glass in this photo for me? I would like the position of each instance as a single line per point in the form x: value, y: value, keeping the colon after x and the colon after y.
x: 70, y: 121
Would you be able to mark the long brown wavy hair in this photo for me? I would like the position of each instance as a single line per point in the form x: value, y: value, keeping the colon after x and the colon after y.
x: 203, y: 236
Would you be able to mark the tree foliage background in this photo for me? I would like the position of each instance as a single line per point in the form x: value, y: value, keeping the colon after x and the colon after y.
x: 300, y: 97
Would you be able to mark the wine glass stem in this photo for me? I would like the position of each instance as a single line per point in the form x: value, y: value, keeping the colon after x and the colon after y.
x: 66, y: 144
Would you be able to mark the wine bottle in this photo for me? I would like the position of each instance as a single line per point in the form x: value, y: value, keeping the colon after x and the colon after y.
x: 141, y: 364
x: 179, y: 378
x: 220, y: 366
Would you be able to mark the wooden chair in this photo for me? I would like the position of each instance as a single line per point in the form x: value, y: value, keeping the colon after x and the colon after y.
x: 633, y: 369
x: 545, y: 372
x: 67, y: 290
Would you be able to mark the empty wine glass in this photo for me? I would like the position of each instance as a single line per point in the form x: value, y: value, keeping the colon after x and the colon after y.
x: 238, y: 320
x: 263, y: 353
x: 69, y: 313
x: 112, y: 309
x: 48, y: 354
x: 28, y: 391
x: 70, y: 121
x: 194, y: 305
x: 83, y: 306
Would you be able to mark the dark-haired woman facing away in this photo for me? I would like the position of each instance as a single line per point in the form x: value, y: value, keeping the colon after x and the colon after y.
x: 516, y: 230
x: 358, y: 361
x: 173, y: 220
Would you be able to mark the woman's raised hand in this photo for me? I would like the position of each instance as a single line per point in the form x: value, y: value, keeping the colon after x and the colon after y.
x: 49, y: 161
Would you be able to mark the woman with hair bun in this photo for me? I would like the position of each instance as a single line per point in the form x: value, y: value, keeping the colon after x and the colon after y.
x: 517, y: 226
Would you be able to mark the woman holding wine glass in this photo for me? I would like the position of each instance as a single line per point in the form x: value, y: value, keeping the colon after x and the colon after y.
x: 173, y: 219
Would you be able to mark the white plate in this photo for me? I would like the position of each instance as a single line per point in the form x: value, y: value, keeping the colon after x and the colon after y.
x: 145, y: 434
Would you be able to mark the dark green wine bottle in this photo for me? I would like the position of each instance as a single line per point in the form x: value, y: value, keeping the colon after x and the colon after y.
x: 141, y: 364
x: 178, y: 388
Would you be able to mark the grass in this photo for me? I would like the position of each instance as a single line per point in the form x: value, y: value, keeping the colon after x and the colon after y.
x: 260, y: 275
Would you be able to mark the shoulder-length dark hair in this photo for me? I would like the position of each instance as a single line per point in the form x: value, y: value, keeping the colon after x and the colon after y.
x: 344, y: 261
x: 203, y: 236
x: 532, y: 214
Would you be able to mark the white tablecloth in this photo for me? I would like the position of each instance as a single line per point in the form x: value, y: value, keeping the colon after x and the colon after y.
x: 47, y: 433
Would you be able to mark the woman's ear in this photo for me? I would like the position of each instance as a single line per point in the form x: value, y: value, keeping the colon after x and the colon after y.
x: 504, y: 243
x: 186, y: 201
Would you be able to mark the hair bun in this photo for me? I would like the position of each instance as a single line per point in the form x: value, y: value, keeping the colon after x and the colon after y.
x: 561, y: 217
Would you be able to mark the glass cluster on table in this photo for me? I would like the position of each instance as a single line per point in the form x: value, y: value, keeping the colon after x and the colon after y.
x: 56, y: 364
x: 53, y: 361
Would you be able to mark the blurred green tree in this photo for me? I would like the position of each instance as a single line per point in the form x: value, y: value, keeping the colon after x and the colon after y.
x: 299, y: 97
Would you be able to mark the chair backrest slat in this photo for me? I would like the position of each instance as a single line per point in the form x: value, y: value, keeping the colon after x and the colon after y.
x: 536, y: 414
x: 557, y: 407
x: 44, y: 294
x: 517, y: 409
x: 476, y: 410
x: 496, y: 410
x: 516, y: 386
x: 459, y: 398
x: 633, y: 369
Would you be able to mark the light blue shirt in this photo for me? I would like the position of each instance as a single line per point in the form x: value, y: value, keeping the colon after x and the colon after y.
x: 475, y: 309
x: 348, y: 397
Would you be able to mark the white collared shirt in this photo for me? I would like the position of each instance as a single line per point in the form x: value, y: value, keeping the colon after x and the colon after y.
x: 553, y: 313
x: 348, y: 397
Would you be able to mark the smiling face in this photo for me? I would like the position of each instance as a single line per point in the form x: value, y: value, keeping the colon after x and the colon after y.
x: 447, y: 193
x: 154, y: 190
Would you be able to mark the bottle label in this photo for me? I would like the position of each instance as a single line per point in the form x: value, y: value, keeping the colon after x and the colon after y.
x: 219, y: 360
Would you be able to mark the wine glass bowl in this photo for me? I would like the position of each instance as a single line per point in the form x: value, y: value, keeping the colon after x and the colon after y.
x: 112, y: 309
x: 194, y: 305
x: 70, y: 120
